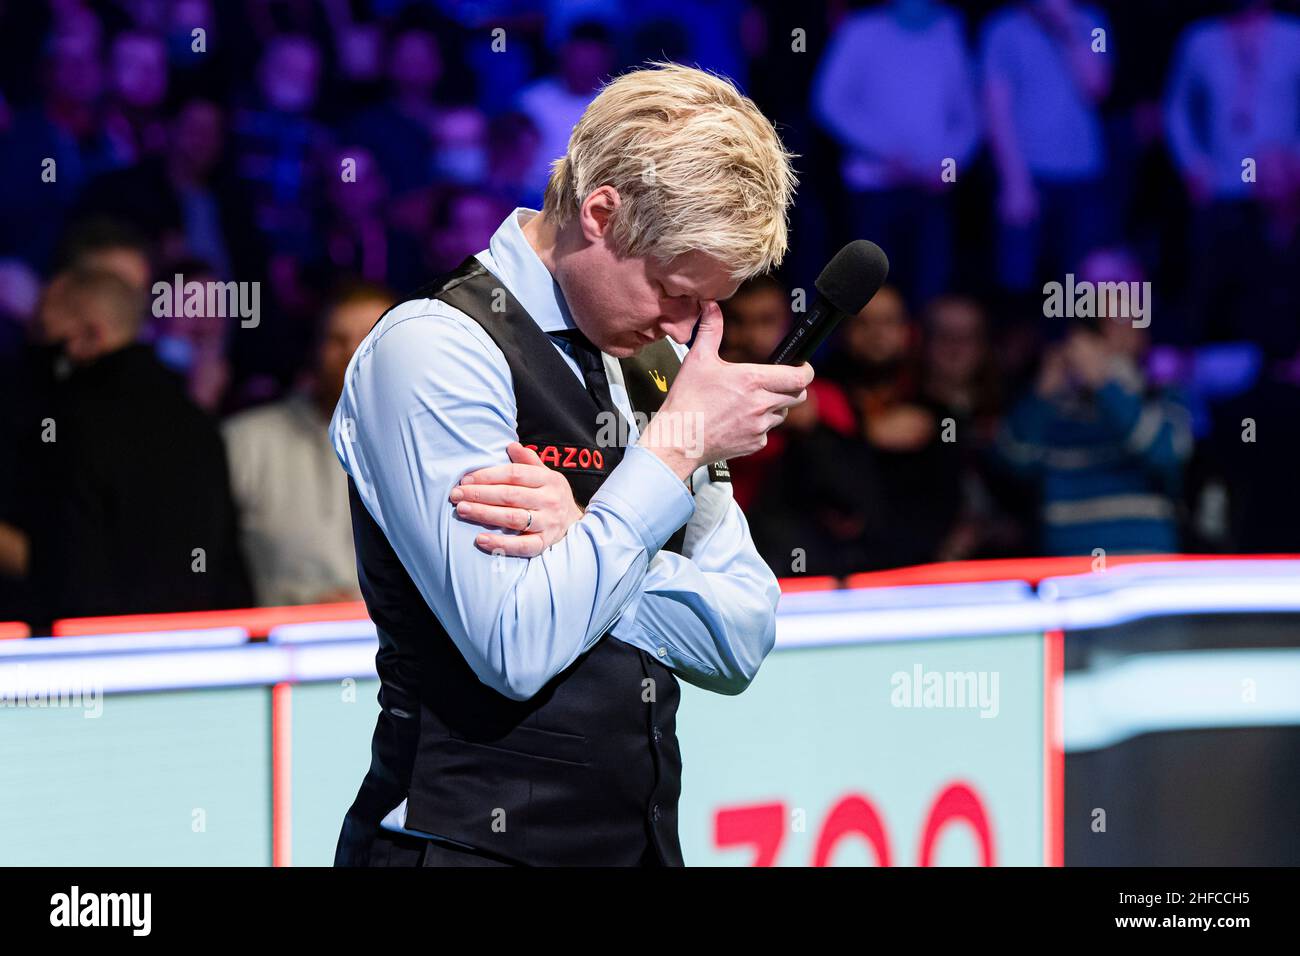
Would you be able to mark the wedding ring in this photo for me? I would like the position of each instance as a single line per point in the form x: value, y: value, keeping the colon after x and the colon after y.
x: 530, y: 520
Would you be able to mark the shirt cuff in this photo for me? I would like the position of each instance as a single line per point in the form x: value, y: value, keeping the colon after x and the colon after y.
x: 653, y: 500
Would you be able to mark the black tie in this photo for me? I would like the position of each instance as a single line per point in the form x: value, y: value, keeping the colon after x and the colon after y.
x: 586, y: 354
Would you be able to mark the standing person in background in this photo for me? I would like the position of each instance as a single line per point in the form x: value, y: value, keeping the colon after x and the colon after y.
x: 1105, y: 450
x: 1043, y: 82
x: 555, y: 103
x: 291, y: 496
x: 895, y: 90
x: 1234, y: 95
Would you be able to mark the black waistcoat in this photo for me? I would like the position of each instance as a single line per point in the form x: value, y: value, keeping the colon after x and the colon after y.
x: 586, y: 772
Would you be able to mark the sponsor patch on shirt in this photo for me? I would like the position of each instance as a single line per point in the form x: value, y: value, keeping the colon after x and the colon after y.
x: 567, y: 457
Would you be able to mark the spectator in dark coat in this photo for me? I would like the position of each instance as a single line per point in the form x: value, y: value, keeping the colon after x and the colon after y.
x: 128, y: 509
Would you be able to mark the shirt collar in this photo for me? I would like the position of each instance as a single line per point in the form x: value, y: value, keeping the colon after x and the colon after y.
x: 511, y: 258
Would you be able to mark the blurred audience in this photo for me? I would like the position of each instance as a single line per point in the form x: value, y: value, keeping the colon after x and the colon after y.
x: 1231, y: 112
x: 1046, y: 68
x: 989, y: 148
x: 555, y: 103
x: 802, y: 492
x: 194, y: 341
x: 126, y: 503
x: 961, y: 383
x: 1250, y: 455
x: 291, y: 496
x: 915, y: 493
x: 186, y: 199
x: 895, y: 90
x: 399, y: 130
x: 1105, y: 450
x: 463, y: 222
x: 513, y: 142
x: 277, y: 136
x: 136, y: 90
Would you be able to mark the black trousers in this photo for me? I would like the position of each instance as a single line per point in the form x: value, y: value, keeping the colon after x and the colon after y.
x: 397, y: 849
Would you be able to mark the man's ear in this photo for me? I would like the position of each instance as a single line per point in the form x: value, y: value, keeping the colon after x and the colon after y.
x: 597, y: 208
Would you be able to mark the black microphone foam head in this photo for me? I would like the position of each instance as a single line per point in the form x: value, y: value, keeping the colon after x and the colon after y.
x: 851, y: 278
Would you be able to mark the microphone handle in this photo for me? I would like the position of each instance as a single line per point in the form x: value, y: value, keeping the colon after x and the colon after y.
x: 807, y: 335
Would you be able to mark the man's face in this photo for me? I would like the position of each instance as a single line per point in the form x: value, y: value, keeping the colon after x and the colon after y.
x: 1117, y: 331
x: 416, y: 64
x: 75, y: 71
x: 471, y: 220
x: 878, y: 335
x: 139, y: 70
x: 624, y: 303
x: 584, y: 64
x: 755, y: 323
x: 956, y: 345
x: 131, y: 264
x: 198, y: 135
x: 290, y: 75
x: 345, y: 326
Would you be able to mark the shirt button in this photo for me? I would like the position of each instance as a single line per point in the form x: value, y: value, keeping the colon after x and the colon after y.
x: 663, y: 652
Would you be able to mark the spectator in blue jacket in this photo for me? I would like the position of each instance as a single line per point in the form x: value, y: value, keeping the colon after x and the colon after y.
x: 1105, y: 450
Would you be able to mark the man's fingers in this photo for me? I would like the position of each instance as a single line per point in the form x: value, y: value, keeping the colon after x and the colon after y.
x: 513, y: 546
x: 782, y: 401
x: 790, y: 379
x: 522, y: 454
x: 511, y: 496
x: 512, y: 519
x: 528, y: 476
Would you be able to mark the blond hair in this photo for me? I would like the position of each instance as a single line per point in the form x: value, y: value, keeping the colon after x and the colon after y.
x: 697, y: 166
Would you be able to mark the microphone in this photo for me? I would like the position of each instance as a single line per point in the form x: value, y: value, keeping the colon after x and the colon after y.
x: 847, y: 283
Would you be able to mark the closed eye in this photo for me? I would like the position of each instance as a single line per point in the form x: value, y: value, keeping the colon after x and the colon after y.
x: 664, y: 293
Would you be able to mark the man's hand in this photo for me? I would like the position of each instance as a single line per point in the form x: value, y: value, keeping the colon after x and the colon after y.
x: 503, y: 496
x: 718, y: 409
x: 1054, y: 375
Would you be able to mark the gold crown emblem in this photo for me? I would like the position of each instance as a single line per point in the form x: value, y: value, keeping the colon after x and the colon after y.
x: 660, y: 381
